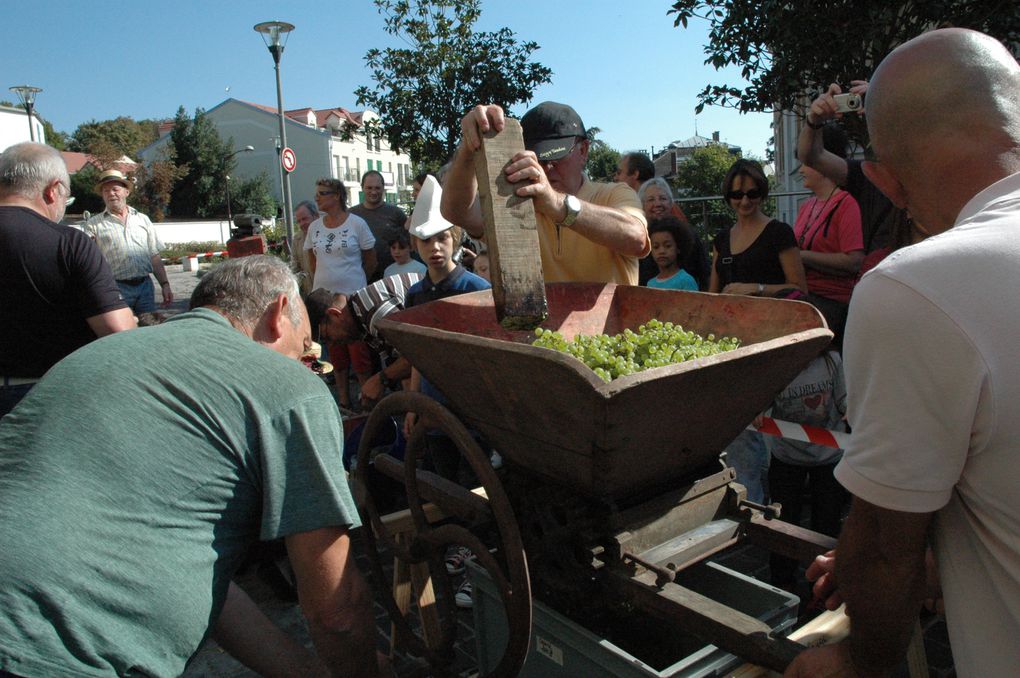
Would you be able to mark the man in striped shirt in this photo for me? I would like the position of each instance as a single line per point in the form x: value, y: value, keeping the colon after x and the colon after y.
x: 343, y: 319
x: 130, y: 244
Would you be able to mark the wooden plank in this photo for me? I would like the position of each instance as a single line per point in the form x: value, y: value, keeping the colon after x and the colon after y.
x: 511, y: 233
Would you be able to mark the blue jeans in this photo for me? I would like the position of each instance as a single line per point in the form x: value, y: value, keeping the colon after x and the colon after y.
x: 750, y: 459
x: 11, y: 396
x: 140, y: 298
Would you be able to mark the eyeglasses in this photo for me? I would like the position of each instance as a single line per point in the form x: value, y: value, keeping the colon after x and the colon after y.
x: 753, y: 194
x: 324, y: 193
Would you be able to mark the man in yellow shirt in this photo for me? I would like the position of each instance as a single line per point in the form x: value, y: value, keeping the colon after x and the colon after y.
x: 588, y: 231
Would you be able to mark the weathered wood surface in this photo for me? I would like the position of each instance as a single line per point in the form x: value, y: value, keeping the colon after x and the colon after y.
x: 511, y: 233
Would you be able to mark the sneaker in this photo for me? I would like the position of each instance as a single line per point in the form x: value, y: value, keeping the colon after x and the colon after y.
x: 456, y: 556
x: 463, y: 598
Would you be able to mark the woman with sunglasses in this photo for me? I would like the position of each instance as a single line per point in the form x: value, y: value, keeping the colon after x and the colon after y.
x: 758, y: 255
x: 341, y: 254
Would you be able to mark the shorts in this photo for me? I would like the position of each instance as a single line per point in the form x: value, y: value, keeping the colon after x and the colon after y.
x: 356, y: 354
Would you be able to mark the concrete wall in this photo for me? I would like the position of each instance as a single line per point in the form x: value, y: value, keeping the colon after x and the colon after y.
x: 14, y: 127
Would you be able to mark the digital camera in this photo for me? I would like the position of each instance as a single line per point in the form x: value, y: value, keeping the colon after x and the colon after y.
x: 848, y: 103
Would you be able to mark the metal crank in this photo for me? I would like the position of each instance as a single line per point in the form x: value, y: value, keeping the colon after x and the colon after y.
x: 428, y: 543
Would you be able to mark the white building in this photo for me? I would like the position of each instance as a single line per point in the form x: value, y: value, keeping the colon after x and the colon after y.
x: 14, y: 126
x: 316, y: 139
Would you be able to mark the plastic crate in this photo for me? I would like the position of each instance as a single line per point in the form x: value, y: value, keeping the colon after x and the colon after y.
x: 562, y: 648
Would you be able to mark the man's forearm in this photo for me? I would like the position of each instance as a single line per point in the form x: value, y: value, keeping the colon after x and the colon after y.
x: 158, y: 269
x: 881, y: 573
x: 460, y: 195
x: 347, y: 644
x: 612, y: 228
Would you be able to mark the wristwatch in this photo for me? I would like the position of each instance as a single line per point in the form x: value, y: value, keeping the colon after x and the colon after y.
x: 573, y: 205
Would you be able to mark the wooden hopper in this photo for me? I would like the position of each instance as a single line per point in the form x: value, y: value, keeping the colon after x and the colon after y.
x: 550, y: 414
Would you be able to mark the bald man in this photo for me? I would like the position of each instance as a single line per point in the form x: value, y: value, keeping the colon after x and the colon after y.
x: 933, y: 377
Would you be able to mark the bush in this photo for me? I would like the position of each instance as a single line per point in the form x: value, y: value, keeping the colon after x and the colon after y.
x: 178, y: 250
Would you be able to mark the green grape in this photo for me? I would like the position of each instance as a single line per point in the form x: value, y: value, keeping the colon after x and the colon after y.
x: 655, y: 344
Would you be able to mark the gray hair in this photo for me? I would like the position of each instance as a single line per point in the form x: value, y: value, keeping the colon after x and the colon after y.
x: 312, y: 208
x: 26, y: 169
x: 655, y: 181
x: 242, y: 288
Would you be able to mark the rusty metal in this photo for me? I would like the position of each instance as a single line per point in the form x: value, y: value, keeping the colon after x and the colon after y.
x: 429, y: 543
x: 547, y: 412
x: 616, y: 487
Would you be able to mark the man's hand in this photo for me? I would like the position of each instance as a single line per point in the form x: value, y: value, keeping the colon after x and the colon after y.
x: 525, y: 167
x: 822, y: 571
x: 168, y: 294
x: 477, y: 122
x: 748, y: 289
x: 373, y: 388
x: 824, y: 107
x: 828, y: 661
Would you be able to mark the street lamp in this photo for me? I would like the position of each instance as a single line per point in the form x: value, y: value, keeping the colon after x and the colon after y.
x: 274, y: 34
x: 226, y: 161
x: 27, y: 95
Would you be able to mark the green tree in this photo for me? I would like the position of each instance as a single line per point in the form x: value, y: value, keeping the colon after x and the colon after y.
x: 57, y: 140
x: 602, y: 158
x: 702, y: 175
x: 117, y: 137
x: 83, y: 188
x: 200, y: 152
x: 422, y: 92
x: 787, y: 49
x: 253, y: 196
x: 154, y: 184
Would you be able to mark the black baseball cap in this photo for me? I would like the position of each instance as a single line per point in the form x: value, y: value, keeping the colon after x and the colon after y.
x: 550, y: 129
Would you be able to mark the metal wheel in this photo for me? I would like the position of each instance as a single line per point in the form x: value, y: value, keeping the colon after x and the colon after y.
x: 429, y: 543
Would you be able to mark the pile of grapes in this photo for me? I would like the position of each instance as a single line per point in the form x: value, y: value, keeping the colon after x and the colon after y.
x: 655, y: 344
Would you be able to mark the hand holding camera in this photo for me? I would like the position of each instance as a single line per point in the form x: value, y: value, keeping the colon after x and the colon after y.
x: 848, y: 103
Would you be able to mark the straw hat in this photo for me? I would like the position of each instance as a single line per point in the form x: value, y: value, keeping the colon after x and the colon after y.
x: 113, y: 175
x: 426, y: 219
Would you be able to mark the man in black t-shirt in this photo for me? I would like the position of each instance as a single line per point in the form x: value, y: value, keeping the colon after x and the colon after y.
x: 386, y: 221
x: 56, y: 291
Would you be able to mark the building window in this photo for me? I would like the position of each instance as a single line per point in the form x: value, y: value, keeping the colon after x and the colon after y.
x: 378, y: 144
x: 339, y: 168
x: 357, y: 169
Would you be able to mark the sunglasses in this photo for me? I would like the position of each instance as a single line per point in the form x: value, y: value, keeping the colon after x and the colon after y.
x: 325, y: 193
x: 753, y: 194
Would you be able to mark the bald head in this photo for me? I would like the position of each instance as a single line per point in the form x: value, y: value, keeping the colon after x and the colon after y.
x: 945, y: 104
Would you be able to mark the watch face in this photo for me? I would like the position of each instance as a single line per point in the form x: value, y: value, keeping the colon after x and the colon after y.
x: 573, y: 204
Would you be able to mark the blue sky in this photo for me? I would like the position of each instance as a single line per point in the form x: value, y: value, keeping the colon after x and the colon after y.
x: 623, y: 66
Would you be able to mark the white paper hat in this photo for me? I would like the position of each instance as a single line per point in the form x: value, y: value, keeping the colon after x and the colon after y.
x: 426, y: 220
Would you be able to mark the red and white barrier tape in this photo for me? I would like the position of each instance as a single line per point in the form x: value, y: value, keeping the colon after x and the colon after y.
x: 221, y: 253
x: 803, y: 433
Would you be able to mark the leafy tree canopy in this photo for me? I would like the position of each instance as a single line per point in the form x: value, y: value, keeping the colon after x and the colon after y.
x: 253, y: 196
x: 422, y: 92
x: 198, y: 148
x: 786, y: 49
x: 111, y: 139
x: 703, y: 172
x: 602, y: 158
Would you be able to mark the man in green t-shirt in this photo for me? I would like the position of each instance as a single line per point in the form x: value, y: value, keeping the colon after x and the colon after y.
x: 130, y: 491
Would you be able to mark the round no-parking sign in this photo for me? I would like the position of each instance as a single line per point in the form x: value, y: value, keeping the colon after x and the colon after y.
x: 288, y: 159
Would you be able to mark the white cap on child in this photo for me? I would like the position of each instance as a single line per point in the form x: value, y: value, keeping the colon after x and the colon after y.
x: 426, y: 220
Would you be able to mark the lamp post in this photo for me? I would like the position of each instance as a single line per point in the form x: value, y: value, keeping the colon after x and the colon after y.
x: 226, y: 160
x: 27, y: 95
x: 274, y: 34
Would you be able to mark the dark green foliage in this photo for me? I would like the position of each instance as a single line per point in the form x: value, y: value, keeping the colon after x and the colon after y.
x: 422, y: 92
x: 83, y: 189
x: 113, y: 138
x: 253, y: 196
x: 794, y: 47
x: 198, y: 148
